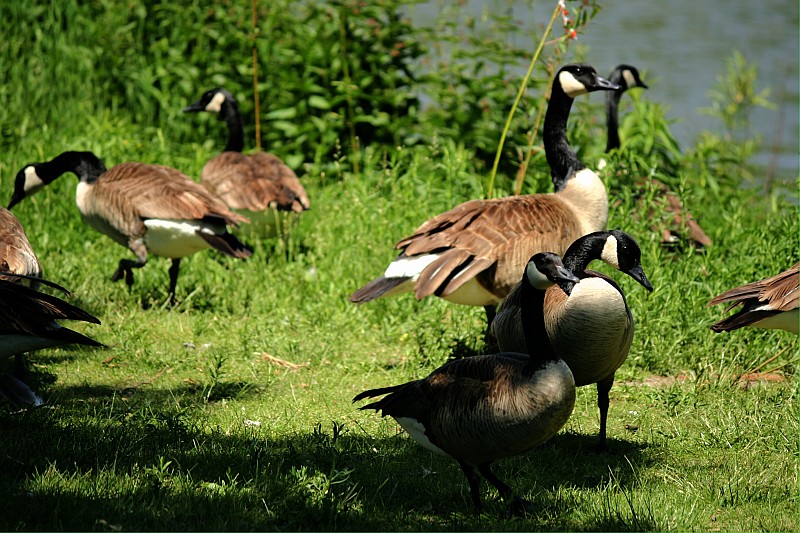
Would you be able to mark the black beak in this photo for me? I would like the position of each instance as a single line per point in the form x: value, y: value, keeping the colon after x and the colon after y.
x: 602, y: 84
x: 15, y: 199
x: 637, y: 273
x: 565, y: 279
x: 194, y: 108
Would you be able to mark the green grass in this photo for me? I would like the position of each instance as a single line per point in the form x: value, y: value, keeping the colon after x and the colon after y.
x: 188, y: 421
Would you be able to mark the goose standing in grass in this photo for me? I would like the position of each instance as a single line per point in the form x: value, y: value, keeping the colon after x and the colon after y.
x: 146, y: 208
x: 480, y: 409
x: 769, y: 303
x: 16, y: 253
x: 255, y: 185
x: 591, y: 328
x: 472, y: 254
x: 28, y: 322
x: 679, y: 221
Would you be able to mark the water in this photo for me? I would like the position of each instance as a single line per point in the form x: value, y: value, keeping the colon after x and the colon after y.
x: 683, y: 45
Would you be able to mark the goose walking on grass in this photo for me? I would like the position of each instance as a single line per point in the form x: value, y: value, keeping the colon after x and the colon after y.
x: 591, y: 328
x: 150, y: 209
x: 770, y: 303
x: 472, y: 254
x: 679, y: 221
x: 480, y: 409
x: 29, y: 322
x: 256, y: 185
x: 16, y: 253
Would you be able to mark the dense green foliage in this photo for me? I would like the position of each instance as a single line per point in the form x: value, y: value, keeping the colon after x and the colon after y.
x: 232, y: 410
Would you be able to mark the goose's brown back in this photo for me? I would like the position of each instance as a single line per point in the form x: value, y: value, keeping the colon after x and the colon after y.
x: 16, y: 253
x: 254, y: 182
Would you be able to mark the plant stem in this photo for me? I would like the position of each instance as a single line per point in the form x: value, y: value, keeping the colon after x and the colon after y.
x: 521, y: 91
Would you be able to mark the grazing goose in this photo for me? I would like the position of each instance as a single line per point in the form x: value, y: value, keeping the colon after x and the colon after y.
x: 472, y: 254
x: 680, y: 219
x: 28, y: 322
x: 254, y: 185
x: 16, y: 254
x: 591, y: 329
x: 147, y: 208
x: 480, y: 409
x: 770, y: 303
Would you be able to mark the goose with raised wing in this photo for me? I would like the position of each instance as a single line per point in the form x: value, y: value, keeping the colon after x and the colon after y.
x: 480, y: 409
x: 150, y: 209
x: 256, y: 184
x: 472, y: 254
x: 770, y: 303
x: 591, y: 328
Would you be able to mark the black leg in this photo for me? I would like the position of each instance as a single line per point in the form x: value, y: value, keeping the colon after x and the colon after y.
x: 519, y: 506
x: 474, y: 484
x: 603, y: 388
x: 491, y: 312
x: 125, y: 270
x: 173, y: 278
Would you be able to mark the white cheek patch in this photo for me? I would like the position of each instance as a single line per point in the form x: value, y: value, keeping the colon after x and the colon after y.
x: 571, y: 85
x: 609, y: 254
x: 627, y: 75
x: 32, y: 180
x: 215, y: 105
x: 536, y: 278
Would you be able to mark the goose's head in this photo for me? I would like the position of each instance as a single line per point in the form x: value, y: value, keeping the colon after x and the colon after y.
x: 577, y: 79
x: 545, y: 269
x: 26, y: 183
x: 211, y: 101
x: 627, y: 77
x: 621, y: 251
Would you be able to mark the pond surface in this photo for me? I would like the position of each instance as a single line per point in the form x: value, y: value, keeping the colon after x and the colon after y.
x: 683, y: 45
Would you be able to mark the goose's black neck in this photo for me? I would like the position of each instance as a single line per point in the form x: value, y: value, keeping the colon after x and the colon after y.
x: 229, y: 112
x: 562, y: 159
x: 87, y: 166
x: 612, y: 119
x: 533, y: 328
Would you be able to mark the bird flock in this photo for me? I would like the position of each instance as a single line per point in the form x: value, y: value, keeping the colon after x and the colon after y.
x: 524, y: 259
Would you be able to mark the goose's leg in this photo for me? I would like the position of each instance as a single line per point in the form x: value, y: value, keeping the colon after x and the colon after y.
x: 603, y: 388
x: 474, y: 484
x: 126, y: 266
x: 173, y: 278
x: 491, y: 312
x: 519, y: 505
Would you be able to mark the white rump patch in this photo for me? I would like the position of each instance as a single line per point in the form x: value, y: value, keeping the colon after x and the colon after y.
x: 417, y: 431
x: 571, y: 85
x: 33, y: 183
x: 609, y: 254
x: 175, y: 238
x: 215, y: 105
x: 627, y: 75
x: 409, y: 267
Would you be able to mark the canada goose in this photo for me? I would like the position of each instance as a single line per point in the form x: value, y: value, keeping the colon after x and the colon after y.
x: 28, y: 322
x: 472, y: 254
x: 251, y: 184
x: 480, y: 409
x: 16, y: 253
x: 680, y: 219
x: 147, y: 208
x: 770, y: 303
x: 591, y: 329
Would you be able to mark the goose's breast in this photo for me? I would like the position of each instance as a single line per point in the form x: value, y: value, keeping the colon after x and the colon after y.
x: 592, y: 330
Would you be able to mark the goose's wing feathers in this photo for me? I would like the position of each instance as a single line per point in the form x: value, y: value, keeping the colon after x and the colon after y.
x: 16, y: 253
x: 480, y: 234
x: 778, y: 293
x: 24, y: 310
x: 254, y: 182
x: 143, y: 191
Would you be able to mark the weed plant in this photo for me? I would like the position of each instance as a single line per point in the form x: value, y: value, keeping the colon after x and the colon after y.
x: 231, y: 410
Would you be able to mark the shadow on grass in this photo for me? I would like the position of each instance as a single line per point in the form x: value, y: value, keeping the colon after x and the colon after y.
x: 94, y: 464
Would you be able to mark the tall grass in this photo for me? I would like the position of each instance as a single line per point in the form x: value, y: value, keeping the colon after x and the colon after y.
x: 231, y: 411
